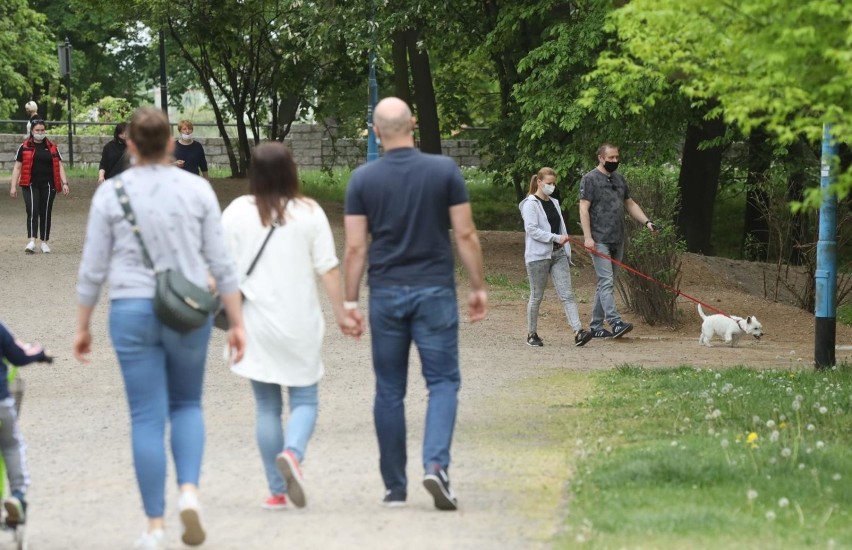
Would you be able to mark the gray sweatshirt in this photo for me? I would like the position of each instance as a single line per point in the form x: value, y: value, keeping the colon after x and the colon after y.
x: 180, y: 222
x: 538, y: 239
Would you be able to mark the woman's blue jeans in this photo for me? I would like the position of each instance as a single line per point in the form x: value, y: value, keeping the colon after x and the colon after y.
x: 429, y: 317
x: 163, y: 374
x: 269, y: 430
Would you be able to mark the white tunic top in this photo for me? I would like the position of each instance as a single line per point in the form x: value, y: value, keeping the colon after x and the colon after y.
x: 282, y: 314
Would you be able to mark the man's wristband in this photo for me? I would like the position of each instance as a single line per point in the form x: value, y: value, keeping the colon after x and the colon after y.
x: 350, y: 305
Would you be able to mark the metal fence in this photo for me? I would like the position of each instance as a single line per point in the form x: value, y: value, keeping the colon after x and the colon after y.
x: 60, y: 127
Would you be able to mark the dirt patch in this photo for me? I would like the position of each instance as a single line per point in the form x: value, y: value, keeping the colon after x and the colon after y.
x: 75, y: 417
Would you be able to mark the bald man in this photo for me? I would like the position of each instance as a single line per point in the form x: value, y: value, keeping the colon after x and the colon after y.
x: 407, y: 201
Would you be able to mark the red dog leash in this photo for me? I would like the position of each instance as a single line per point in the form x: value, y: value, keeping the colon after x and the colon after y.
x: 649, y: 278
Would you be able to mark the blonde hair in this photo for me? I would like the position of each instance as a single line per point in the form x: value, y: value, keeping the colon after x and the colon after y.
x: 540, y: 175
x: 185, y: 122
x: 31, y: 107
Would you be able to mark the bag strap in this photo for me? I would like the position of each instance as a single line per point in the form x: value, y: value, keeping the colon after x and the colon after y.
x: 124, y: 201
x: 259, y: 252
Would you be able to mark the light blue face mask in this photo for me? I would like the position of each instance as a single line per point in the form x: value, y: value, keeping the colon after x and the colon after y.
x: 39, y: 137
x: 548, y: 189
x: 186, y: 137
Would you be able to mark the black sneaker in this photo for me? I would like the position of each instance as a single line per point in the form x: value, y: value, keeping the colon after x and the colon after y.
x: 394, y: 499
x: 438, y: 485
x: 534, y: 341
x: 601, y: 333
x: 621, y: 328
x: 582, y: 337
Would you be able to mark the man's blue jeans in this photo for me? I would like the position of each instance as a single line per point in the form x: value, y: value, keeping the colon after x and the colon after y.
x: 429, y: 317
x: 604, y: 305
x: 270, y: 433
x: 163, y: 374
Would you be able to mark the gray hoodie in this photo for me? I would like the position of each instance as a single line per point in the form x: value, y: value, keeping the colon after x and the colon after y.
x: 538, y: 240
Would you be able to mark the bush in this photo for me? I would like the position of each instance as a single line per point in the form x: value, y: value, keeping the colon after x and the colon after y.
x: 658, y: 256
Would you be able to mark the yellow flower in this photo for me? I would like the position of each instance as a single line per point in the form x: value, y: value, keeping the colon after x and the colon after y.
x: 752, y: 437
x: 782, y: 425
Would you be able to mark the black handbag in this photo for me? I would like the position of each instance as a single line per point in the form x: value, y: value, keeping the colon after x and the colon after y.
x: 220, y: 321
x: 179, y: 303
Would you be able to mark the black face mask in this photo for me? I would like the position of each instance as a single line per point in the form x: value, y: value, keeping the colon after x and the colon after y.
x: 610, y: 166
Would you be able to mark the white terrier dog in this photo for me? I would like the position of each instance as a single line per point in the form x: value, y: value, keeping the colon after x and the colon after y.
x: 729, y: 328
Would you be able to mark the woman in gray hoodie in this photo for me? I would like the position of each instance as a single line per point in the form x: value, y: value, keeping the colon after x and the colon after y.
x: 547, y: 252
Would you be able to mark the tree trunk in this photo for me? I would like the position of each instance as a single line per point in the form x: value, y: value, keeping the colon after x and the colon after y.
x: 798, y: 241
x: 755, y: 242
x: 424, y: 95
x: 400, y: 67
x: 698, y: 182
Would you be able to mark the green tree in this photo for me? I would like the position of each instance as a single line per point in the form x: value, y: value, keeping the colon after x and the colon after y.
x: 782, y: 66
x: 27, y: 55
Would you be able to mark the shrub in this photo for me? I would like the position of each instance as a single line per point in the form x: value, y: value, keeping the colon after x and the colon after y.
x: 658, y: 256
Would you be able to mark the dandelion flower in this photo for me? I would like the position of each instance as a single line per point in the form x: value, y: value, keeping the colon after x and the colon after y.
x: 773, y: 437
x: 770, y: 424
x: 752, y: 437
x: 836, y: 477
x: 823, y: 410
x: 751, y: 494
x: 783, y: 502
x: 796, y: 405
x: 724, y: 443
x: 811, y: 427
x: 770, y: 515
x: 820, y: 444
x: 801, y: 465
x: 786, y: 452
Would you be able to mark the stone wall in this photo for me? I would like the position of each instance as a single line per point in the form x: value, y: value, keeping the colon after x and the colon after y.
x: 311, y: 145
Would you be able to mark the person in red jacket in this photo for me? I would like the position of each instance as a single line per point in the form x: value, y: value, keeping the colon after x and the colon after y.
x: 39, y: 172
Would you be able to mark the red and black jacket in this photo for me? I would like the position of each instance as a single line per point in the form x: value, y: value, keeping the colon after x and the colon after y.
x: 28, y: 152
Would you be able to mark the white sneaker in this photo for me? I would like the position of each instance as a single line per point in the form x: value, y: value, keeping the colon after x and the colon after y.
x: 151, y: 540
x: 190, y: 516
x: 30, y: 248
x: 45, y: 248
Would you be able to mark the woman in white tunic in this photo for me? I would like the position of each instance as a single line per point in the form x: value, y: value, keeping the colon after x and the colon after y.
x: 282, y: 314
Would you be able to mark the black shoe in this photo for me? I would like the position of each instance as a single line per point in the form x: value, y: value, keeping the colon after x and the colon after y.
x: 601, y: 333
x: 534, y: 341
x: 394, y: 499
x: 582, y: 337
x: 438, y: 484
x: 621, y: 328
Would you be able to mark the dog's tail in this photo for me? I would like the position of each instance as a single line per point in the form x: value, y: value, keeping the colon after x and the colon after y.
x: 701, y: 312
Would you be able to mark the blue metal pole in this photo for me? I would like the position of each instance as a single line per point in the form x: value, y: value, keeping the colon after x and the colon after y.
x: 825, y: 276
x: 372, y: 143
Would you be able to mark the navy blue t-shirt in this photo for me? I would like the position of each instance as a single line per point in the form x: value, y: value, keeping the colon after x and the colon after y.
x: 406, y: 196
x: 192, y: 156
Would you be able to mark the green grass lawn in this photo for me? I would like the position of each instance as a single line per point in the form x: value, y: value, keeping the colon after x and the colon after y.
x: 692, y: 458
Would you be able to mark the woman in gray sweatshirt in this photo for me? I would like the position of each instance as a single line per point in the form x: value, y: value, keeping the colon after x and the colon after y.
x: 547, y: 253
x: 179, y: 220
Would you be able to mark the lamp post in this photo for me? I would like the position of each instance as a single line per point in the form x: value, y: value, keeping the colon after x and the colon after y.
x: 373, y: 92
x: 164, y: 94
x: 825, y: 276
x: 64, y: 51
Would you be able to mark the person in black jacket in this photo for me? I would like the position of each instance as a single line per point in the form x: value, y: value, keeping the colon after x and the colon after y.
x: 15, y: 352
x: 114, y: 157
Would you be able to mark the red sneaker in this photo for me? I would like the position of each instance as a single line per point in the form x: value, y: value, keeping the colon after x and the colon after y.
x: 290, y: 469
x: 275, y: 502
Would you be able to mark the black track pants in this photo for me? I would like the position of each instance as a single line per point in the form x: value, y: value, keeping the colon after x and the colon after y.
x: 39, y: 203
